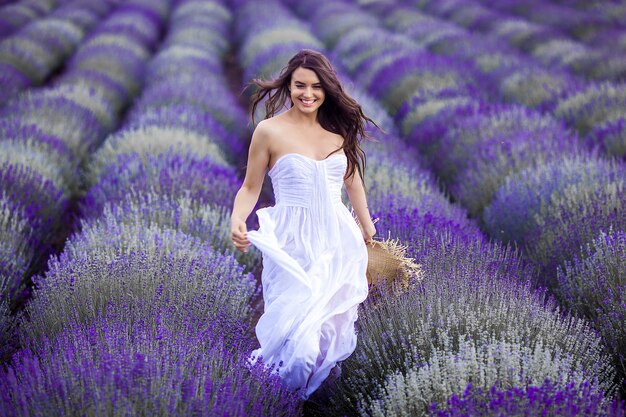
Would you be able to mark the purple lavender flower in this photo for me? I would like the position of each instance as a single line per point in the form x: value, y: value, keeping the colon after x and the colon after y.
x: 546, y: 399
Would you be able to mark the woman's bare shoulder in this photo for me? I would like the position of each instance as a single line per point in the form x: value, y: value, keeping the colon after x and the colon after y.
x: 272, y: 127
x: 270, y: 124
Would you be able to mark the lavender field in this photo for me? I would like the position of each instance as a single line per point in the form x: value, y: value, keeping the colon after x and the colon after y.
x: 501, y: 165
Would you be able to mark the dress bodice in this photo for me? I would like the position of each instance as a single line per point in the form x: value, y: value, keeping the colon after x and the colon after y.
x: 302, y: 181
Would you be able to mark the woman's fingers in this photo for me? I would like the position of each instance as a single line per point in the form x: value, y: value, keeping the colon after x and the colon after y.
x: 239, y: 237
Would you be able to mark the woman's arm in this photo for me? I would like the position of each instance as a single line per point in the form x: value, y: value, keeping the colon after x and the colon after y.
x: 356, y: 194
x: 248, y: 194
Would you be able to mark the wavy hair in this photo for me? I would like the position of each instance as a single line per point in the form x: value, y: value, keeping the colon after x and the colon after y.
x: 339, y: 113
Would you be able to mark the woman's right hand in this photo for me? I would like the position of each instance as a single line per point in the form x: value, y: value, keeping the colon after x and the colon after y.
x: 239, y: 234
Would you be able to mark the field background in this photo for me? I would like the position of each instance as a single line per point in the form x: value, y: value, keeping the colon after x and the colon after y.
x: 500, y: 165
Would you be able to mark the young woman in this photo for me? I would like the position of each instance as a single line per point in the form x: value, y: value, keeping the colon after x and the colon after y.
x: 314, y: 253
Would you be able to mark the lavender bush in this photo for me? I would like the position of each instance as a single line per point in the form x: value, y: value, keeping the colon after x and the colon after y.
x: 60, y: 36
x: 396, y: 175
x: 13, y: 81
x: 29, y: 57
x: 185, y: 56
x: 425, y: 118
x: 169, y: 174
x: 596, y: 111
x: 155, y: 366
x: 151, y: 140
x: 87, y: 97
x: 337, y: 19
x: 594, y: 284
x: 41, y: 202
x: 361, y: 43
x: 206, y: 25
x: 537, y: 87
x: 392, y: 83
x: 103, y: 85
x: 21, y: 143
x: 58, y: 117
x: 32, y: 219
x: 511, y: 75
x: 83, y: 14
x: 523, y: 198
x: 507, y: 366
x: 283, y: 40
x: 198, y: 217
x: 119, y: 264
x: 113, y: 64
x: 201, y: 95
x: 126, y: 69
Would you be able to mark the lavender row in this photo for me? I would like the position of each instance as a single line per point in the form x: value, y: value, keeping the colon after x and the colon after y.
x: 595, y: 110
x: 395, y: 332
x: 31, y: 55
x: 14, y: 16
x: 152, y: 264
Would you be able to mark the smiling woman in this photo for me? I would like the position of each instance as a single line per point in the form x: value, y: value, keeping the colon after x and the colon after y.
x: 314, y: 253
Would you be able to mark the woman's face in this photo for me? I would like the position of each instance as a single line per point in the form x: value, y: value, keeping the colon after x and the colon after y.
x: 306, y: 90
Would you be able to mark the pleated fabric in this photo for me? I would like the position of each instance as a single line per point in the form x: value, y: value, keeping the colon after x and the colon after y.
x: 314, y: 272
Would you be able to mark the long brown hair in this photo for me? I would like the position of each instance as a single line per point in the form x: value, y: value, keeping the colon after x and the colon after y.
x: 339, y: 113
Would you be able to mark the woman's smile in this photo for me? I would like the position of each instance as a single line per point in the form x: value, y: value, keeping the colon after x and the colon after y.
x: 308, y: 102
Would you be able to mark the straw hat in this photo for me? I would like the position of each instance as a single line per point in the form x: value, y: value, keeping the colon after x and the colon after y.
x: 387, y: 262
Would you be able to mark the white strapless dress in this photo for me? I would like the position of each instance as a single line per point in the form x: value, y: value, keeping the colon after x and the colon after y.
x: 314, y: 266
